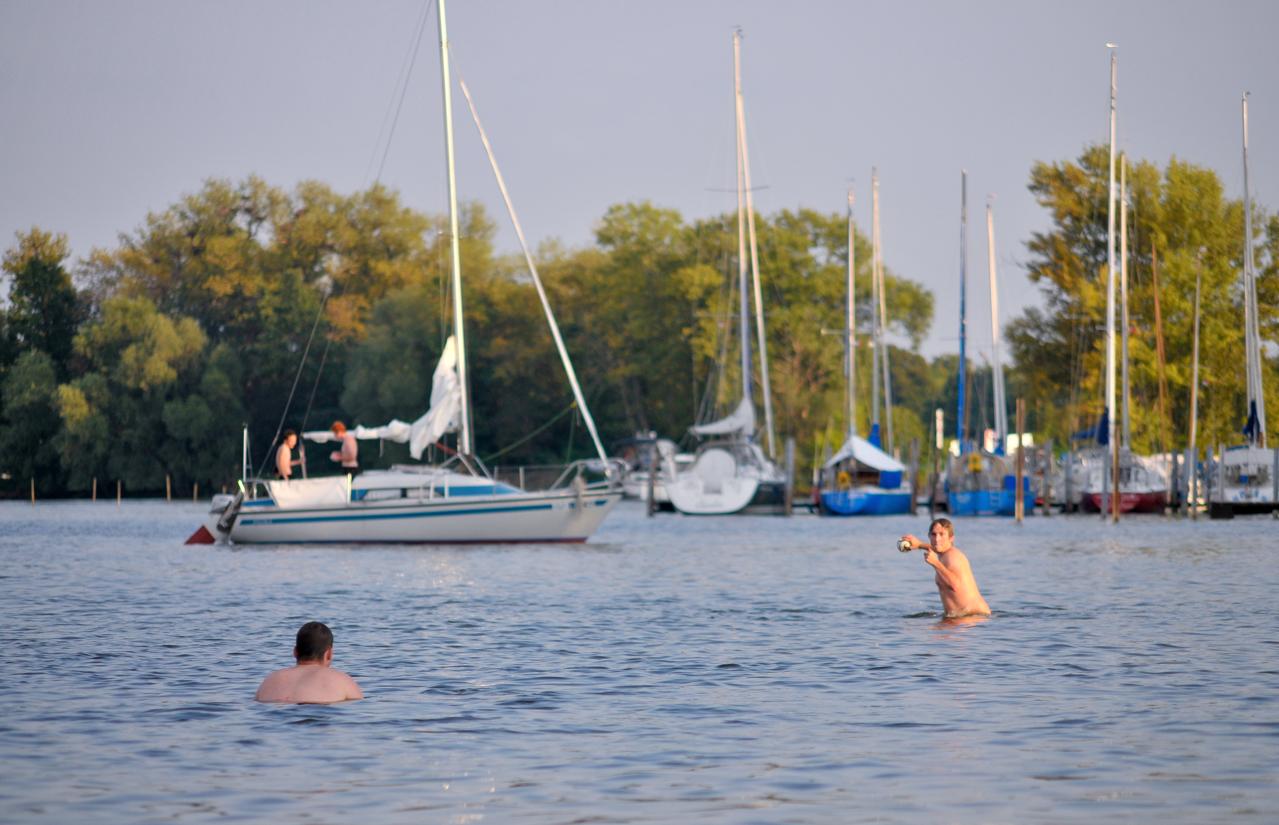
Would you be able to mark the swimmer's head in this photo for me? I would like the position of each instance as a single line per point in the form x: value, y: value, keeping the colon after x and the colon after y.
x: 944, y: 523
x: 314, y: 640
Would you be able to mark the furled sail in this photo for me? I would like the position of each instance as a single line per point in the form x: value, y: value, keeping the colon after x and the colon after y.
x: 442, y: 417
x: 741, y: 420
x: 446, y: 403
x: 863, y: 452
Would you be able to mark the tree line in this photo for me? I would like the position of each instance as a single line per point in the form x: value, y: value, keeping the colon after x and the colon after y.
x: 246, y: 305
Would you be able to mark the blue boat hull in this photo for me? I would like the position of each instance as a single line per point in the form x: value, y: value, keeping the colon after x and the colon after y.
x: 990, y: 502
x: 865, y: 502
x: 971, y: 503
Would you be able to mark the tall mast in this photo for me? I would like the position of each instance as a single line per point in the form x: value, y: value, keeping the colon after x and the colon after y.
x: 883, y: 328
x: 750, y: 223
x: 1001, y: 410
x: 459, y: 333
x: 1123, y: 290
x: 875, y: 343
x: 850, y: 321
x: 1110, y: 263
x: 961, y: 419
x: 1110, y: 287
x: 743, y: 299
x: 1252, y: 333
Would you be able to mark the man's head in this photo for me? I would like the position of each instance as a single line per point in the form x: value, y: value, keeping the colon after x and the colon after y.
x: 338, y: 428
x: 314, y: 644
x: 290, y: 438
x: 941, y: 534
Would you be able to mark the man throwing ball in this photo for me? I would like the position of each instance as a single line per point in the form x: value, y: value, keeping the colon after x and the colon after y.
x: 954, y: 577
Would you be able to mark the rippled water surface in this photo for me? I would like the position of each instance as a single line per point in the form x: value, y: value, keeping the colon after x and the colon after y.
x: 745, y: 669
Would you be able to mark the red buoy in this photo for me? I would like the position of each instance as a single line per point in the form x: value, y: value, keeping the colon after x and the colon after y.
x: 202, y: 536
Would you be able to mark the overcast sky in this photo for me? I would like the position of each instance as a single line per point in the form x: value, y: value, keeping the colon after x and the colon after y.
x: 109, y: 110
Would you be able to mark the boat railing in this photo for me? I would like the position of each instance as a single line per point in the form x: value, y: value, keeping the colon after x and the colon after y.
x: 594, y: 474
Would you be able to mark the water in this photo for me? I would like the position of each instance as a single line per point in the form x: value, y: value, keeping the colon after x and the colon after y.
x: 746, y: 669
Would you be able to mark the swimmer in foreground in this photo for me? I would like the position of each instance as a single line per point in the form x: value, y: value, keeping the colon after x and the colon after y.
x: 955, y: 582
x: 312, y: 681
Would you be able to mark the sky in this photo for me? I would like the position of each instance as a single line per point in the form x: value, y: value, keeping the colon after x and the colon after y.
x: 112, y: 110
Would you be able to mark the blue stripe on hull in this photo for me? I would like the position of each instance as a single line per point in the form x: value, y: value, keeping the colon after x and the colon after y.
x: 412, y: 514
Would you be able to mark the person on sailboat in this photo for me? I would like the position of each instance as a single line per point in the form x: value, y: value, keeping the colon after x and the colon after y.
x: 284, y: 460
x: 313, y: 680
x: 954, y: 577
x: 349, y: 453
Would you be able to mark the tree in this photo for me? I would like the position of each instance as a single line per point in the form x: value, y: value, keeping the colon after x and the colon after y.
x: 113, y: 416
x: 43, y: 309
x: 27, y: 402
x: 1181, y: 216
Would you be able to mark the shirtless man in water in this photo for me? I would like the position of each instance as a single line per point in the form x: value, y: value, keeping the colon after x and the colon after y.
x: 955, y: 582
x: 311, y: 681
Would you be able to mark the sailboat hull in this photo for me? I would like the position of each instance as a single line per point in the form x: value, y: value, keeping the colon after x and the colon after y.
x: 972, y: 503
x: 559, y: 516
x: 1144, y: 502
x: 729, y: 477
x: 865, y: 501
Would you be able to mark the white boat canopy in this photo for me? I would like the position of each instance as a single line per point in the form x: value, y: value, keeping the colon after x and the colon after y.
x: 863, y: 452
x: 741, y: 420
x: 441, y: 418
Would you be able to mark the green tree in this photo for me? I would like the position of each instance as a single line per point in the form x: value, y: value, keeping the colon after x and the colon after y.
x: 1180, y: 216
x: 43, y: 308
x: 27, y: 402
x: 113, y: 416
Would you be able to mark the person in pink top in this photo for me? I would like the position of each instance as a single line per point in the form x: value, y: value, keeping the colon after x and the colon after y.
x: 349, y: 453
x: 313, y: 680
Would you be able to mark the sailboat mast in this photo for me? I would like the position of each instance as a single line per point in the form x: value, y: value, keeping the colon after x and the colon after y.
x: 464, y: 433
x: 875, y: 342
x: 743, y: 299
x: 745, y: 162
x: 850, y: 321
x: 1252, y: 332
x: 1123, y: 292
x: 961, y: 419
x: 1001, y: 411
x: 883, y: 330
x: 1110, y: 288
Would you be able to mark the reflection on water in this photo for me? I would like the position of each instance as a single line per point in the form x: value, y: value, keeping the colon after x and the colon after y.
x: 737, y: 669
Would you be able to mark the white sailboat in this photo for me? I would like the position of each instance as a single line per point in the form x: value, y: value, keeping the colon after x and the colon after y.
x: 1246, y: 475
x: 731, y: 473
x: 453, y: 503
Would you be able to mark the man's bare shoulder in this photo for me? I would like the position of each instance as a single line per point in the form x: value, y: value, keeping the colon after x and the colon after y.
x: 276, y: 686
x: 308, y: 685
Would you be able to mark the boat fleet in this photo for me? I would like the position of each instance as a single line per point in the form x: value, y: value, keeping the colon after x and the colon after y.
x: 731, y: 464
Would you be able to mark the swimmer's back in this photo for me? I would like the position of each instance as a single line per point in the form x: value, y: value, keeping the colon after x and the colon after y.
x: 308, y: 685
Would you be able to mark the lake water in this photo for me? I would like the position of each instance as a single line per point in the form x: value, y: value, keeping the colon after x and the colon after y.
x: 743, y: 669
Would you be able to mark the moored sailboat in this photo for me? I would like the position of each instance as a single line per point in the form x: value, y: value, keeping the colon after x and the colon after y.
x: 457, y: 502
x: 860, y: 479
x: 1120, y: 481
x: 1246, y: 476
x: 731, y: 473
